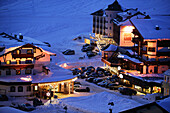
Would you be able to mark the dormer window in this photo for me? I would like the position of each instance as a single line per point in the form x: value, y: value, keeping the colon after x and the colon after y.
x: 34, y: 50
x: 29, y: 51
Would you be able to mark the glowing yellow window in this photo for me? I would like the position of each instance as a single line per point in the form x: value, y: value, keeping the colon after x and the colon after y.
x: 8, y: 62
x: 18, y: 51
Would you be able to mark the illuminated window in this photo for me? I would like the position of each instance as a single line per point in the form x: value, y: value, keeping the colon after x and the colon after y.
x: 34, y: 50
x: 18, y: 62
x: 8, y: 62
x: 20, y: 89
x: 28, y: 88
x: 12, y: 89
x: 18, y: 52
x: 36, y: 88
x: 127, y: 37
x: 8, y: 72
x: 29, y: 51
x: 18, y: 72
x: 28, y: 61
x: 27, y: 71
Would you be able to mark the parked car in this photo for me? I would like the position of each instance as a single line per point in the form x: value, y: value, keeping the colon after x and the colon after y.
x: 97, y: 80
x: 103, y: 83
x: 111, y: 85
x: 107, y: 73
x: 127, y: 91
x: 83, y: 89
x: 75, y: 71
x: 3, y: 98
x: 89, y: 71
x: 91, y: 67
x: 93, y: 74
x: 82, y: 76
x: 26, y: 107
x: 87, y: 48
x: 85, y: 45
x: 116, y: 87
x: 83, y: 69
x: 99, y: 69
x: 90, y: 79
x: 69, y: 52
x: 37, y: 102
x: 91, y: 54
x: 100, y: 74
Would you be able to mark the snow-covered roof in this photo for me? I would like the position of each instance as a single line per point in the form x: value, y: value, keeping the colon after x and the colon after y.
x: 129, y: 58
x: 56, y: 77
x: 10, y: 110
x: 16, y: 78
x: 111, y: 48
x: 167, y: 72
x: 53, y: 76
x: 147, y: 27
x: 157, y: 78
x: 165, y: 103
x: 125, y: 23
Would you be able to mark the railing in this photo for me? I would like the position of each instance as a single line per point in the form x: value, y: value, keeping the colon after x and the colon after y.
x: 23, y: 55
x: 13, y: 66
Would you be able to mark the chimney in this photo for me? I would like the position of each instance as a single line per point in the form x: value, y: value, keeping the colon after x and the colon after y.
x: 157, y: 27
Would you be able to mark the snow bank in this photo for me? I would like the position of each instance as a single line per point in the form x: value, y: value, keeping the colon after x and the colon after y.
x: 10, y: 110
x: 99, y: 103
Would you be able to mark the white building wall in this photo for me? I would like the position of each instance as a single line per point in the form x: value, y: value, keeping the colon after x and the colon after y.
x: 16, y: 93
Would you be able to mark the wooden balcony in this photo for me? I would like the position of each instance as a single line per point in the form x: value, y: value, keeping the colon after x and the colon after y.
x: 109, y: 63
x: 23, y: 55
x: 16, y: 66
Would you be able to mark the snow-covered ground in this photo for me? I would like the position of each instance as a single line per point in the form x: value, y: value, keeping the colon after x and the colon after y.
x: 58, y: 22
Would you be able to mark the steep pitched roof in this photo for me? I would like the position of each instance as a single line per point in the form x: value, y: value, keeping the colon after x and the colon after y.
x: 16, y: 48
x: 115, y: 6
x: 98, y: 13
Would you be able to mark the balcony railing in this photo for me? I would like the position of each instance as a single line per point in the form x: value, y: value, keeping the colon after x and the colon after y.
x: 16, y: 66
x: 23, y: 55
x: 110, y: 63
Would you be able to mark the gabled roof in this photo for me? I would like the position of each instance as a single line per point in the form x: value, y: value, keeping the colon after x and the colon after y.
x: 115, y: 6
x: 9, y: 50
x: 98, y: 13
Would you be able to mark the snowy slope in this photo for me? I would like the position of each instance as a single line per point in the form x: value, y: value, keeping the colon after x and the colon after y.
x: 98, y: 103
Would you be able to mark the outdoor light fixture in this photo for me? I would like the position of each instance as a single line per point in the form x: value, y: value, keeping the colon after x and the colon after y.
x: 119, y: 68
x: 121, y: 76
